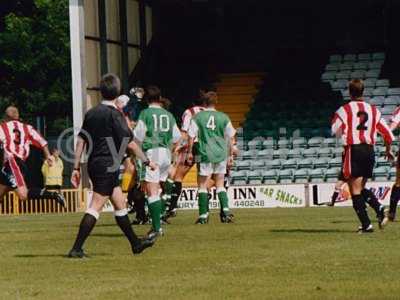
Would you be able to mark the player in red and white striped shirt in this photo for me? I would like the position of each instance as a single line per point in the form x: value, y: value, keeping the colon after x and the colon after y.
x: 16, y: 138
x: 395, y: 193
x: 358, y: 123
x: 182, y: 166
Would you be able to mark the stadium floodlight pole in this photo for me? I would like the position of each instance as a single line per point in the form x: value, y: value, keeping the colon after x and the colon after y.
x: 77, y: 41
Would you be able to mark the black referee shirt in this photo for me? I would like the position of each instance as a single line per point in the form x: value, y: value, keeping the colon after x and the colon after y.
x: 102, y: 122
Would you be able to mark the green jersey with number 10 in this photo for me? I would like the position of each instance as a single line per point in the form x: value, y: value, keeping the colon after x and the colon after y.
x: 213, y: 130
x: 156, y: 128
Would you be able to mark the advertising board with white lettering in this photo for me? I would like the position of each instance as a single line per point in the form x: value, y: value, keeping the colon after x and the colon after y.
x: 247, y: 196
x: 322, y: 192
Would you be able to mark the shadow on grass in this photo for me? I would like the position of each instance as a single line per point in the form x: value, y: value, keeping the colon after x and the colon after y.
x: 342, y: 221
x: 106, y: 225
x: 298, y: 230
x: 54, y: 255
x: 109, y: 235
x: 113, y: 235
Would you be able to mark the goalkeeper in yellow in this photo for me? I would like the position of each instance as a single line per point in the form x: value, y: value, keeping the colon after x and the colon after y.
x: 214, y: 153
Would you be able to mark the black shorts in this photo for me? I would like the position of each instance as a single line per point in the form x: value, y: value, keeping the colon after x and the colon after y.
x: 14, y: 173
x: 360, y: 161
x: 103, y: 180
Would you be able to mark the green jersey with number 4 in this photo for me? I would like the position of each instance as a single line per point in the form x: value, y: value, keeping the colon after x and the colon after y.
x: 156, y: 128
x: 213, y: 129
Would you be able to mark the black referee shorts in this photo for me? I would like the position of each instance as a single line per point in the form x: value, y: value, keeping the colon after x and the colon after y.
x: 362, y: 161
x: 102, y: 180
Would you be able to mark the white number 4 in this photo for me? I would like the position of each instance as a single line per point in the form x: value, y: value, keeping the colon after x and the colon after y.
x: 211, y: 123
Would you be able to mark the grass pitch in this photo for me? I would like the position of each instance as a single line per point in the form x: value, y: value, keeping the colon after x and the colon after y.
x: 267, y: 254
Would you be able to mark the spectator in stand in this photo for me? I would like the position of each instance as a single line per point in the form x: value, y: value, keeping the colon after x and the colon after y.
x: 53, y: 175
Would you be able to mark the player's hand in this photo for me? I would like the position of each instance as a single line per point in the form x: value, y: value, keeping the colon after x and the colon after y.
x: 153, y: 166
x: 230, y: 162
x: 75, y: 178
x: 49, y: 161
x: 235, y: 151
x: 190, y: 158
x: 389, y: 155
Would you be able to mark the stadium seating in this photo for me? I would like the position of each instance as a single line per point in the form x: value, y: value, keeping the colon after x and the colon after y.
x: 290, y: 142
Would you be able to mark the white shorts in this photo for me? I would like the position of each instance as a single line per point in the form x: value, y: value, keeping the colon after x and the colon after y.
x: 208, y: 169
x: 162, y: 157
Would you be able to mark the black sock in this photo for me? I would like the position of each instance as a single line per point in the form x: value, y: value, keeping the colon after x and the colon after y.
x: 361, y: 210
x: 125, y: 225
x: 138, y: 199
x: 176, y: 192
x: 394, y: 199
x: 130, y: 197
x: 36, y: 193
x: 371, y: 199
x: 85, y: 228
x: 334, y: 197
x: 208, y: 200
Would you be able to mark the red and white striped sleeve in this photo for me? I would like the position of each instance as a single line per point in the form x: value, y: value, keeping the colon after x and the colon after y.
x: 2, y: 136
x: 186, y: 118
x: 395, y: 119
x: 338, y: 125
x: 36, y: 139
x: 383, y: 128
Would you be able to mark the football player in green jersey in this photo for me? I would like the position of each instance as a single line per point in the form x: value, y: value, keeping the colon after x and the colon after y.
x: 214, y: 133
x: 158, y: 133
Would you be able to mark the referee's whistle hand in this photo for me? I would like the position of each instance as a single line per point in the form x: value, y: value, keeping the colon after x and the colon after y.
x: 75, y: 178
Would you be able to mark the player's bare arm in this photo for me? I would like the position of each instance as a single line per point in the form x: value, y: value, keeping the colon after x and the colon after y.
x: 190, y: 150
x: 47, y: 155
x: 76, y: 173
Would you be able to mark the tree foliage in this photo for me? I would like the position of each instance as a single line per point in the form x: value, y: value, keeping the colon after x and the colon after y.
x: 35, y: 62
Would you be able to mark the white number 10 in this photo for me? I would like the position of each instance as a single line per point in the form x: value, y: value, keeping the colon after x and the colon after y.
x: 161, y: 123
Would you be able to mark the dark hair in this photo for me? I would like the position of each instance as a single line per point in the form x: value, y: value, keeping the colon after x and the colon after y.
x: 210, y: 98
x: 153, y: 94
x: 166, y: 103
x: 110, y: 86
x: 53, y: 150
x: 356, y: 88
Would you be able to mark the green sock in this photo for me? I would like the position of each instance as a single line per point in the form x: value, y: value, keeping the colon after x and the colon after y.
x: 155, y: 213
x: 203, y: 207
x: 223, y: 201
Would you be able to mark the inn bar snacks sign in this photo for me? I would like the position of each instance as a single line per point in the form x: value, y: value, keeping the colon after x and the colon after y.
x: 248, y: 196
x: 268, y: 196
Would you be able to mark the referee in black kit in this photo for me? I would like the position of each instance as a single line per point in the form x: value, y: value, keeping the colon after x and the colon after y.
x: 106, y: 132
